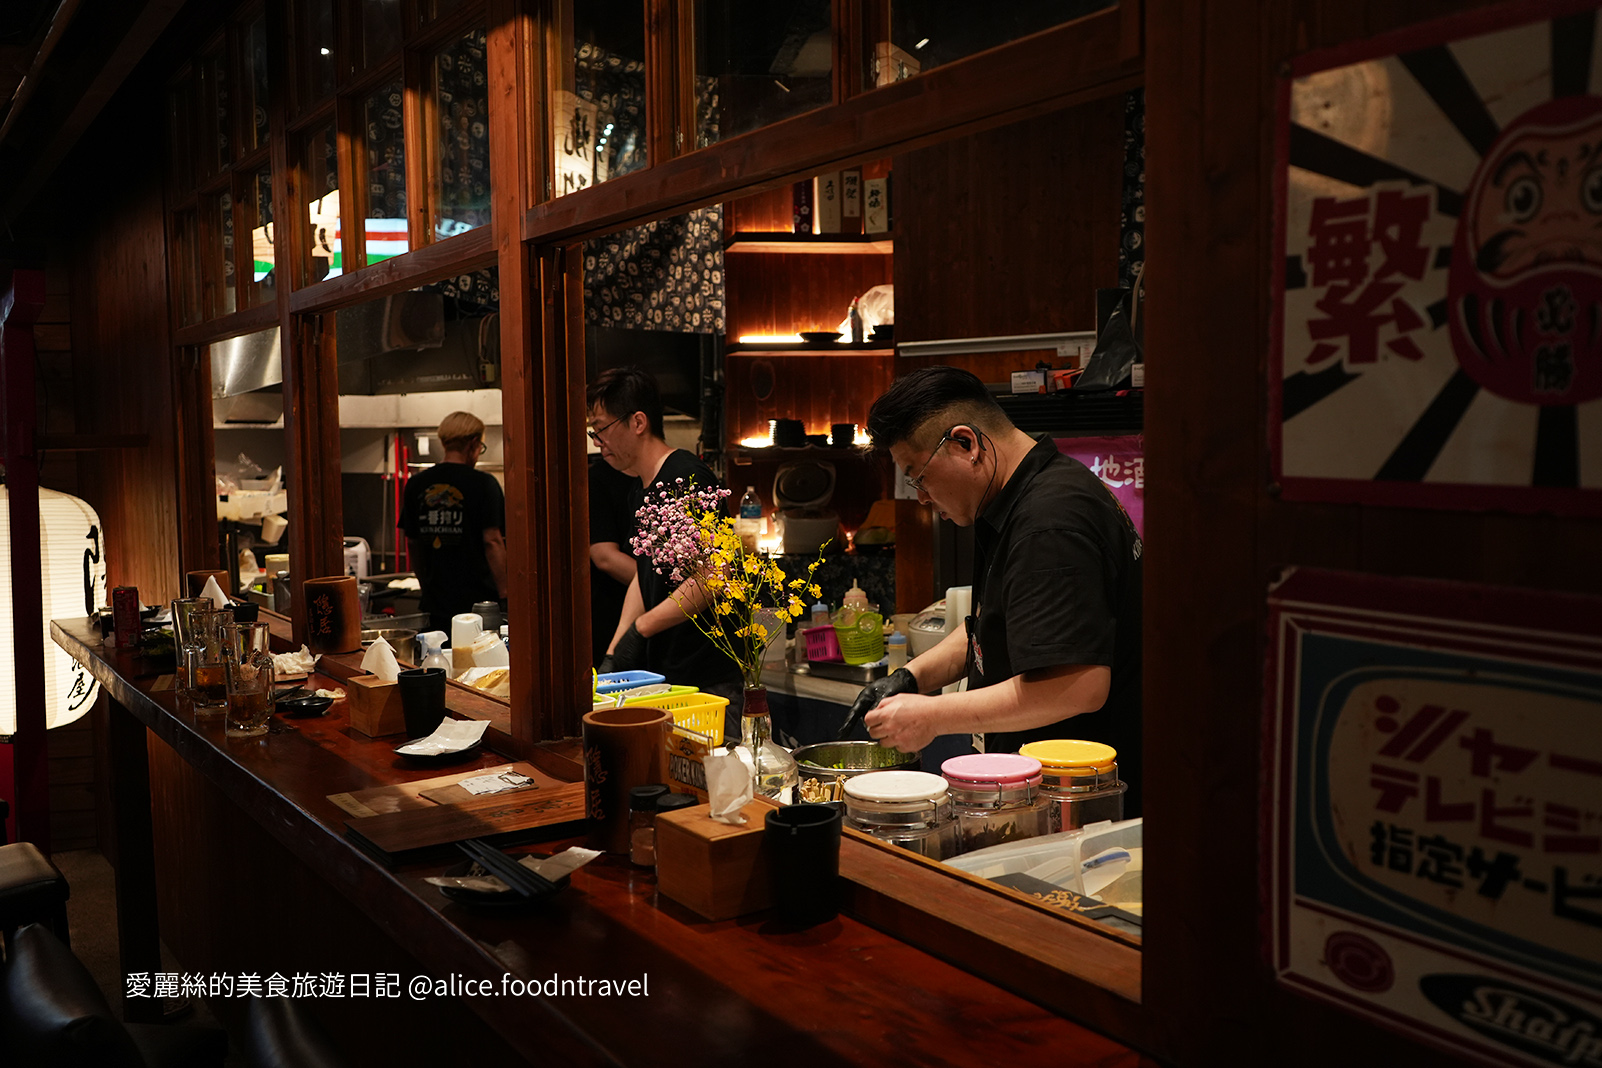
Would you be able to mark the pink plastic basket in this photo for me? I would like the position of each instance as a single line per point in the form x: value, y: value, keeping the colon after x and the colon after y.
x: 822, y: 644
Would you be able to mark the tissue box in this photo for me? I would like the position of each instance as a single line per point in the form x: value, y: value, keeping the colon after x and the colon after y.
x: 375, y: 706
x: 712, y: 869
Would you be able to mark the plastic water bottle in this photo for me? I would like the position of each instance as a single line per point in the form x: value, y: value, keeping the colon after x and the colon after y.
x: 750, y: 522
x: 896, y: 651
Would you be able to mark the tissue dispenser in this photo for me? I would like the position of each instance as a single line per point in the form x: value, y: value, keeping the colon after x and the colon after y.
x: 375, y: 706
x: 714, y: 870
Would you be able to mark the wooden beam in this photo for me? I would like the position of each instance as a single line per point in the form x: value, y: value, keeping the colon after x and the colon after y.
x: 146, y: 29
x: 471, y: 251
x: 1045, y: 72
x: 19, y: 310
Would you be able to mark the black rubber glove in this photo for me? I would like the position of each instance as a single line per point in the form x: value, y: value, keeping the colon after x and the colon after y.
x: 629, y: 652
x: 898, y: 681
x: 606, y: 666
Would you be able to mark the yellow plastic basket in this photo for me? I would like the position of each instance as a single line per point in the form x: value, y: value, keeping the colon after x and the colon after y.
x: 698, y: 716
x: 863, y: 641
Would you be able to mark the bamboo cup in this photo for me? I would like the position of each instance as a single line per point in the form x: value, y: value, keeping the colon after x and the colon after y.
x: 623, y: 748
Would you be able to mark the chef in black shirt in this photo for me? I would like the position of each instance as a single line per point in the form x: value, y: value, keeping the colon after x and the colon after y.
x: 1052, y: 649
x: 654, y: 631
x: 454, y: 517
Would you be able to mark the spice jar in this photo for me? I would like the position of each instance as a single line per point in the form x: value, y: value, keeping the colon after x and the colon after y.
x: 642, y: 823
x: 911, y: 809
x: 995, y: 798
x: 1079, y: 782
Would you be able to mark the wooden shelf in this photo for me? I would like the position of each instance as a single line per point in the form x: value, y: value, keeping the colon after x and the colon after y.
x: 814, y: 244
x: 785, y: 348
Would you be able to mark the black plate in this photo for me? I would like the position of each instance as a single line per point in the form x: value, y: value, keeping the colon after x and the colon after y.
x: 820, y: 337
x: 485, y: 899
x: 303, y: 707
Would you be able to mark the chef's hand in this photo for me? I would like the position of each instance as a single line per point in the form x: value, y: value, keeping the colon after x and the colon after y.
x: 903, y: 722
x: 898, y: 681
x: 627, y: 654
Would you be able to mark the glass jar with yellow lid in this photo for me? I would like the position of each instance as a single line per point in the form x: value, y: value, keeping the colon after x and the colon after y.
x: 1080, y: 782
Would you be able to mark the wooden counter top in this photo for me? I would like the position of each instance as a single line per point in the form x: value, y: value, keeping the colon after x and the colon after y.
x: 719, y: 993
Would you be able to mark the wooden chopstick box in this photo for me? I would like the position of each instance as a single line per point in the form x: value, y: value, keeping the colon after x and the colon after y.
x: 712, y: 869
x: 375, y: 706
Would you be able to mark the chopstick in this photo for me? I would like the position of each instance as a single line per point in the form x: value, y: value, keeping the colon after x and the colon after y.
x: 525, y: 881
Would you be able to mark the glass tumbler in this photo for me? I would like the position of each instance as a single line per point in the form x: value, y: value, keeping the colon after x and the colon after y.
x: 186, y: 633
x: 207, y: 661
x: 250, y: 681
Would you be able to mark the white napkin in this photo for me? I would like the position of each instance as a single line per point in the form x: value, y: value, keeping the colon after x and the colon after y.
x: 730, y: 784
x: 561, y: 865
x: 214, y: 593
x: 489, y: 651
x: 296, y: 663
x: 380, y: 660
x: 453, y: 736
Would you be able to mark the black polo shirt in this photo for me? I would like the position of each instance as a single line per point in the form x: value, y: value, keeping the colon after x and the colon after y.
x: 1057, y: 581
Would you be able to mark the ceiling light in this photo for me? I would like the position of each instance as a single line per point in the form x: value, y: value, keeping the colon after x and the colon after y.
x: 324, y: 51
x: 920, y: 44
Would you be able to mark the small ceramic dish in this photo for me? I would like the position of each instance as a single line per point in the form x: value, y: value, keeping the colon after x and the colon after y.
x: 820, y: 337
x: 302, y: 707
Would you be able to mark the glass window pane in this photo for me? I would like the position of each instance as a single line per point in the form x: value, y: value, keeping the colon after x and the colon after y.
x: 259, y: 216
x: 381, y: 30
x: 217, y: 149
x: 387, y: 231
x: 217, y: 255
x: 186, y: 256
x: 599, y: 114
x: 758, y: 63
x: 404, y: 363
x: 436, y: 8
x: 247, y: 419
x: 321, y: 158
x: 924, y: 34
x: 181, y: 133
x: 315, y: 51
x: 461, y: 100
x: 253, y: 45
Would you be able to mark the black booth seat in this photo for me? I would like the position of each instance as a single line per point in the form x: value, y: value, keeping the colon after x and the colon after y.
x: 52, y: 1013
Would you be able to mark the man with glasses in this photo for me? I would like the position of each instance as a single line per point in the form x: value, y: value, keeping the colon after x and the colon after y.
x: 1052, y: 649
x: 454, y: 517
x: 653, y: 632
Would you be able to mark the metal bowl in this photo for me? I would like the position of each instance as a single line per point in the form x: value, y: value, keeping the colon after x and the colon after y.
x: 825, y: 766
x: 400, y: 639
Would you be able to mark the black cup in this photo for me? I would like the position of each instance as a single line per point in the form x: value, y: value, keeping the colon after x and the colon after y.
x: 804, y: 846
x: 246, y: 612
x: 422, y: 693
x: 841, y: 435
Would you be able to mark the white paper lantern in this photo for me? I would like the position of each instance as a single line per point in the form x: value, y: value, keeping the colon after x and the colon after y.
x: 73, y: 566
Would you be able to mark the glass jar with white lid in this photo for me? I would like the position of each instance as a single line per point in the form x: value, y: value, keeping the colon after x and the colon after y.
x: 911, y: 809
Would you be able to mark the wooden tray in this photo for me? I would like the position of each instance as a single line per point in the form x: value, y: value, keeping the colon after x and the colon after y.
x: 427, y: 793
x: 504, y: 819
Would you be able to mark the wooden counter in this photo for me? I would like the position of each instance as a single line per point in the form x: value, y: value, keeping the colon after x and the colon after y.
x: 247, y: 864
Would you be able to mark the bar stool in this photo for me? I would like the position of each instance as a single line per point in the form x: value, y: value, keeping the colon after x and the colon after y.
x: 279, y: 1034
x: 32, y: 890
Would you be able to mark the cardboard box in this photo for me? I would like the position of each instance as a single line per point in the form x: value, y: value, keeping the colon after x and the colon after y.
x: 375, y: 706
x: 712, y: 869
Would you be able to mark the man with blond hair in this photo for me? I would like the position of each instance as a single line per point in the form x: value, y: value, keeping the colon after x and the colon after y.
x: 454, y: 517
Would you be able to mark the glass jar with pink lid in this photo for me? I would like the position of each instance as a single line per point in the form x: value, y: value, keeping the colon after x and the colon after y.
x: 995, y: 798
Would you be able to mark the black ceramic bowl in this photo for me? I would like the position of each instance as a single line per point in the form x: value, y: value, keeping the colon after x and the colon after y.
x: 820, y: 337
x: 301, y: 707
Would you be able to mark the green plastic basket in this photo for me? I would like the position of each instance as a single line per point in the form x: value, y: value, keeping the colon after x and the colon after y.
x: 863, y: 641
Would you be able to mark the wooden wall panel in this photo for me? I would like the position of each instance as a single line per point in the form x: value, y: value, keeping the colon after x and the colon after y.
x: 818, y: 390
x: 1216, y: 533
x: 123, y: 369
x: 1011, y: 230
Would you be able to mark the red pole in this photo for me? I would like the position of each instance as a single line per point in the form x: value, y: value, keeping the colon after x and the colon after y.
x: 19, y: 310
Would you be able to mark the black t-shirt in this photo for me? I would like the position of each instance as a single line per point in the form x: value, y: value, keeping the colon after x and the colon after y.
x: 611, y: 519
x: 1057, y: 580
x: 682, y: 653
x: 446, y: 510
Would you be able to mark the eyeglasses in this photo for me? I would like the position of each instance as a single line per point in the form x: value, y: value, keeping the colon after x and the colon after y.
x: 917, y: 483
x: 595, y: 434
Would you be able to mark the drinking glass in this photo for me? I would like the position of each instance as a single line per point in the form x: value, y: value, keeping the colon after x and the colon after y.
x: 250, y: 680
x: 186, y: 632
x: 207, y: 660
